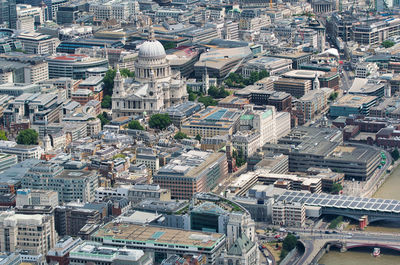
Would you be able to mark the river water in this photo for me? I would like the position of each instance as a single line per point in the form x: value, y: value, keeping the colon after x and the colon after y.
x: 389, y: 190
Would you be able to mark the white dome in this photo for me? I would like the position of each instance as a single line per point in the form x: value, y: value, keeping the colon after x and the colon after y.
x: 151, y: 49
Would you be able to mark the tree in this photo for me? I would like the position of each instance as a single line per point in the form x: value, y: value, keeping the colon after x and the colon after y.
x: 106, y: 103
x: 198, y: 137
x: 135, y: 125
x: 216, y: 92
x: 395, y: 154
x: 28, y: 136
x: 333, y: 96
x: 207, y: 101
x: 159, y: 121
x: 180, y: 135
x: 388, y: 43
x: 336, y: 222
x: 3, y: 136
x: 283, y: 254
x: 289, y: 242
x: 119, y: 156
x: 108, y: 81
x: 239, y: 157
x: 169, y: 45
x: 126, y: 73
x: 103, y: 118
x: 336, y: 188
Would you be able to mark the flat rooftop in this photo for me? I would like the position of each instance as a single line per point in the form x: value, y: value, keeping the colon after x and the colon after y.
x: 216, y: 117
x: 159, y: 235
x: 356, y: 101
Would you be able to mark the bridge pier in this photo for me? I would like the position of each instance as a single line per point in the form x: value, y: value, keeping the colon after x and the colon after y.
x: 328, y: 248
x: 343, y: 248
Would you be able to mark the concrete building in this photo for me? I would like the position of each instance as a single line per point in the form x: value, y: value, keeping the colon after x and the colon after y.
x: 247, y: 142
x: 363, y: 69
x: 148, y: 157
x: 192, y: 172
x: 288, y: 214
x: 180, y: 113
x: 243, y: 251
x: 96, y: 253
x: 60, y: 252
x: 295, y: 87
x: 36, y: 197
x: 7, y: 161
x: 274, y: 66
x: 313, y: 102
x: 73, y: 66
x: 23, y: 152
x: 37, y: 43
x: 352, y: 104
x: 71, y: 185
x: 159, y: 244
x: 34, y: 234
x: 323, y: 147
x: 212, y: 121
x: 135, y: 193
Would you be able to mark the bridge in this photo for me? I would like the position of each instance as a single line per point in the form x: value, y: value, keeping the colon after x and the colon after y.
x: 349, y: 206
x: 317, y: 244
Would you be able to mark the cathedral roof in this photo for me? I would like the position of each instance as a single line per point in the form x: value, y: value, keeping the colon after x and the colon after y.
x: 152, y: 48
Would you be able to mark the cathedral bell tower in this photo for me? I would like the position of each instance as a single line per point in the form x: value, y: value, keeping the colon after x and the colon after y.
x: 119, y: 90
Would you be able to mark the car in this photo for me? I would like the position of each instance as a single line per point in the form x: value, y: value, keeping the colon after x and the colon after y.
x: 328, y: 232
x: 334, y: 232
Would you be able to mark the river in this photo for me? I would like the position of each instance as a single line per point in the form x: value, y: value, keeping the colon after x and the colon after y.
x: 389, y: 190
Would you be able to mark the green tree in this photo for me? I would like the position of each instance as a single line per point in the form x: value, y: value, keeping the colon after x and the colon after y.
x: 119, y: 156
x: 283, y: 254
x: 108, y: 81
x: 198, y: 137
x: 333, y: 96
x: 180, y: 135
x: 289, y: 242
x: 103, y: 118
x: 28, y: 136
x: 239, y: 157
x: 207, y: 101
x: 106, y: 103
x: 336, y: 188
x: 216, y: 92
x: 3, y: 136
x: 126, y: 73
x: 159, y: 121
x: 135, y: 125
x: 169, y: 45
x: 395, y: 154
x: 336, y: 222
x: 388, y: 43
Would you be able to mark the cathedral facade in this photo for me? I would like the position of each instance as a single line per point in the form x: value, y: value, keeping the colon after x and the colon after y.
x: 155, y: 86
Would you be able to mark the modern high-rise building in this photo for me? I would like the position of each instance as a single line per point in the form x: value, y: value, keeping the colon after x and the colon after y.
x: 8, y: 13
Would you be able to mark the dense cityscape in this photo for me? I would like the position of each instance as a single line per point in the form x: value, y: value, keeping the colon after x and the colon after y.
x: 199, y: 132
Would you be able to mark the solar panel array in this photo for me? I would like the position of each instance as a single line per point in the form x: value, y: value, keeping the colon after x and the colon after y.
x: 341, y: 201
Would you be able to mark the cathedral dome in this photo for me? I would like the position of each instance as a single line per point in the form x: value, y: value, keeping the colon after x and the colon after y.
x: 151, y: 49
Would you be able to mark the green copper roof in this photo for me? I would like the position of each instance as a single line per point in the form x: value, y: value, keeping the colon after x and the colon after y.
x: 247, y: 117
x: 241, y: 246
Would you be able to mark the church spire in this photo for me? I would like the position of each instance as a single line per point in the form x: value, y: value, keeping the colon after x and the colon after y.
x: 316, y: 84
x: 151, y: 36
x: 119, y: 89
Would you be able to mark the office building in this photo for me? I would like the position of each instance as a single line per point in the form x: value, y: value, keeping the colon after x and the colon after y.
x: 233, y: 102
x: 295, y: 87
x: 157, y: 240
x: 7, y: 161
x: 33, y: 234
x: 71, y: 185
x: 37, y: 43
x: 96, y: 253
x: 313, y: 102
x: 274, y: 66
x: 148, y: 157
x: 73, y: 66
x: 212, y: 121
x: 298, y: 58
x: 71, y: 219
x: 134, y: 193
x: 323, y: 147
x: 288, y: 214
x: 192, y: 172
x: 8, y: 14
x: 352, y: 104
x: 181, y: 112
x: 23, y: 152
x: 60, y: 252
x: 36, y: 197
